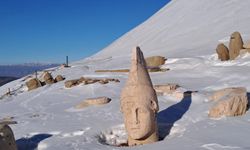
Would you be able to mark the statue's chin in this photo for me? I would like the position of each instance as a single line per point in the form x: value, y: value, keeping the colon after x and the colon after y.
x: 139, y: 134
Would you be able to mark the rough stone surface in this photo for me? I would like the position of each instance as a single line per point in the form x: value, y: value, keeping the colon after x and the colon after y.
x: 247, y: 45
x: 235, y: 45
x: 70, y: 83
x: 48, y: 79
x: 139, y: 103
x: 166, y: 88
x: 229, y: 102
x: 93, y: 101
x: 7, y: 139
x: 33, y: 84
x: 59, y: 78
x: 155, y: 61
x: 223, y: 52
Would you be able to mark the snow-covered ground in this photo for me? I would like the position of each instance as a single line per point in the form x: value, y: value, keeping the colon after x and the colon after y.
x: 187, y: 33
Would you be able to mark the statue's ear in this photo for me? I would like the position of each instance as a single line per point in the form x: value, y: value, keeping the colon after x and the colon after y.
x: 154, y: 105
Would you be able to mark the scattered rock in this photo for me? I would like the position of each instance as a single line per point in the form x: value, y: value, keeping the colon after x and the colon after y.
x: 59, y: 78
x: 93, y: 101
x: 229, y: 102
x: 235, y: 45
x: 48, y: 79
x: 71, y: 83
x: 223, y: 52
x: 104, y: 81
x: 7, y: 139
x: 155, y: 61
x: 85, y: 81
x: 33, y: 84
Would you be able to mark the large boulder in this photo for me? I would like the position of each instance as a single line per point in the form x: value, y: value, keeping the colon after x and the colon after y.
x: 155, y: 61
x: 48, y: 79
x: 33, y: 84
x: 235, y: 45
x: 229, y: 102
x: 92, y: 102
x: 223, y: 52
x: 7, y: 139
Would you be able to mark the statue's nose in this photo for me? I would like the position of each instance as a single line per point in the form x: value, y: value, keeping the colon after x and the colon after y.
x: 135, y: 119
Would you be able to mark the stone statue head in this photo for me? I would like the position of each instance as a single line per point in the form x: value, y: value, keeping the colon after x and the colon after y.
x: 140, y: 118
x: 139, y: 103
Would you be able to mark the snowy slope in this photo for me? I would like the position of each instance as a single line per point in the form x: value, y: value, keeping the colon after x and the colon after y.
x: 186, y: 32
x: 185, y: 28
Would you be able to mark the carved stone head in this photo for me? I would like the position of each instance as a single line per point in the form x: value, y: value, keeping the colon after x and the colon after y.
x: 139, y: 103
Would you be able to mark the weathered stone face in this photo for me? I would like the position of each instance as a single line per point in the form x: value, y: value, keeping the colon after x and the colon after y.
x: 33, y: 84
x: 7, y: 139
x: 235, y: 45
x: 223, y: 52
x: 229, y: 102
x: 139, y: 103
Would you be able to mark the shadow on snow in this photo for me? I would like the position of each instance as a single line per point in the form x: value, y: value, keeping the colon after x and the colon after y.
x: 31, y: 143
x: 166, y: 118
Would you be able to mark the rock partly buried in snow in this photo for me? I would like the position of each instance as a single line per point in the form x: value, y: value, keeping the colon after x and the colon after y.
x: 235, y: 45
x: 247, y: 45
x: 229, y: 102
x: 155, y: 61
x: 7, y: 139
x: 48, y: 79
x: 166, y: 88
x: 59, y: 78
x: 223, y: 52
x: 93, y: 101
x: 85, y: 81
x: 33, y: 84
x: 71, y: 83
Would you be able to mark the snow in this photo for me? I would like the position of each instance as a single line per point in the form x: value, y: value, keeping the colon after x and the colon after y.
x: 187, y: 33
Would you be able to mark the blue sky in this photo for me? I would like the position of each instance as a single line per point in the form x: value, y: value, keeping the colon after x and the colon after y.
x: 48, y: 30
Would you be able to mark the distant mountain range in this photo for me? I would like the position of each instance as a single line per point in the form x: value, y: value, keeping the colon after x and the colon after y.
x: 21, y: 70
x: 4, y: 80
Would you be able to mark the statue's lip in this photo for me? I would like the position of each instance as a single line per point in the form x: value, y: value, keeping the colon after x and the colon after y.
x: 133, y: 128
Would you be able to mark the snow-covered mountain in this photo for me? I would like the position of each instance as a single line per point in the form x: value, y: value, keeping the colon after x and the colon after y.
x: 187, y: 33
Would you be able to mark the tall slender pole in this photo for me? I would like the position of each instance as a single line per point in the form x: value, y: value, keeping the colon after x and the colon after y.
x: 36, y: 74
x: 67, y: 61
x: 8, y: 93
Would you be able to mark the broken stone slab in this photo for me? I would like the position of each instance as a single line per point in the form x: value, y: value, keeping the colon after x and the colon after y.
x: 155, y: 61
x: 7, y: 139
x: 229, y: 102
x: 139, y: 103
x: 223, y: 52
x: 235, y: 45
x: 92, y: 102
x: 33, y: 84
